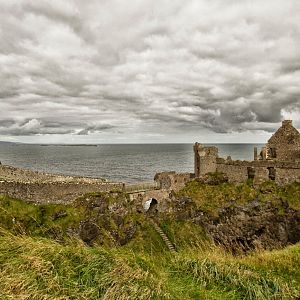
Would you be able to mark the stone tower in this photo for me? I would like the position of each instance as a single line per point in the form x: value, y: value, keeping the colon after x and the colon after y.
x: 205, y: 159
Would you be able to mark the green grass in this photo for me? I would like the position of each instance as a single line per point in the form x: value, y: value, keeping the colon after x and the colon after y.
x: 210, y: 198
x: 39, y: 259
x: 45, y: 220
x: 39, y: 268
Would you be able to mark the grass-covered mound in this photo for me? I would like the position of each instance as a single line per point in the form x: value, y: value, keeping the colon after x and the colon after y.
x: 39, y: 268
x: 43, y: 254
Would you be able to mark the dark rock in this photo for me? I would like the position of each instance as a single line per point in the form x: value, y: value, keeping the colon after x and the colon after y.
x: 88, y: 232
x: 254, y: 225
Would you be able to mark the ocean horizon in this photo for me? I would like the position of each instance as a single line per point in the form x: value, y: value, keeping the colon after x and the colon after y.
x: 114, y: 162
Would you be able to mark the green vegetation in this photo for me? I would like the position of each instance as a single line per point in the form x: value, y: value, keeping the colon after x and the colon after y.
x: 39, y: 268
x: 41, y: 256
x: 211, y: 197
x: 38, y: 220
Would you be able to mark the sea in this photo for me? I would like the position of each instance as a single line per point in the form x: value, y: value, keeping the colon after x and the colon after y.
x: 123, y: 162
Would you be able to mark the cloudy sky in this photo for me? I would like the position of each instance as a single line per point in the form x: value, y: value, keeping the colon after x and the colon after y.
x: 116, y: 71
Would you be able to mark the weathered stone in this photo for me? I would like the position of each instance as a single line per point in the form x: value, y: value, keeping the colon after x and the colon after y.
x: 88, y: 232
x: 284, y: 145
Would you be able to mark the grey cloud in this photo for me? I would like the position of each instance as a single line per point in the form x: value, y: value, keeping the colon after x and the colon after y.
x: 222, y: 66
x: 30, y: 127
x: 92, y: 128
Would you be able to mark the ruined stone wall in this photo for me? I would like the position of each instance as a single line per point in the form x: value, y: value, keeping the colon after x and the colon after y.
x: 205, y: 159
x: 287, y: 154
x: 172, y: 180
x: 235, y: 173
x: 261, y: 175
x: 208, y: 163
x: 284, y: 145
x: 287, y: 175
x: 55, y: 192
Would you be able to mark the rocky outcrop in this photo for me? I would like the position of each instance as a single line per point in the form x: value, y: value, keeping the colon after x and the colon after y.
x: 255, y: 225
x: 108, y: 217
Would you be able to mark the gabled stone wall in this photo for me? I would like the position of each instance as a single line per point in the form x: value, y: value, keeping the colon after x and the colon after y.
x: 284, y: 145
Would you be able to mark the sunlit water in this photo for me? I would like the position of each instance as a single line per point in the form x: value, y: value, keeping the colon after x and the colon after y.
x: 127, y: 163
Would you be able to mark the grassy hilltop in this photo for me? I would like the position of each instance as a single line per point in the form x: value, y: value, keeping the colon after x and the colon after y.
x: 43, y: 255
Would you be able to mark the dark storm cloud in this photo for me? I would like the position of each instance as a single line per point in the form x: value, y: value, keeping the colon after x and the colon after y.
x: 113, y: 67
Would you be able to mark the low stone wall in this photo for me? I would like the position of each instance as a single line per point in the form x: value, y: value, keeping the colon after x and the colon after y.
x: 42, y: 187
x: 53, y: 192
x: 285, y: 176
x: 237, y: 171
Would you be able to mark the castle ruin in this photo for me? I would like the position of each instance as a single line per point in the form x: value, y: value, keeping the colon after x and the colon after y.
x: 279, y: 160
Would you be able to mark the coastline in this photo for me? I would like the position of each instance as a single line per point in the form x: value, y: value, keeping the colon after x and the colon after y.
x: 8, y: 172
x: 44, y: 188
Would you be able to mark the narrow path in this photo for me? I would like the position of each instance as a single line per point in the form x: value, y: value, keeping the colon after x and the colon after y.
x: 164, y: 237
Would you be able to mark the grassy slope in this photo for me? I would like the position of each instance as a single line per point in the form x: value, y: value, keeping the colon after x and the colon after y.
x: 209, y: 197
x: 38, y: 268
x: 34, y: 266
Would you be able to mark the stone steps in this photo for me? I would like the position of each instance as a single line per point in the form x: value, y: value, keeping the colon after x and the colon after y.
x: 163, y: 236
